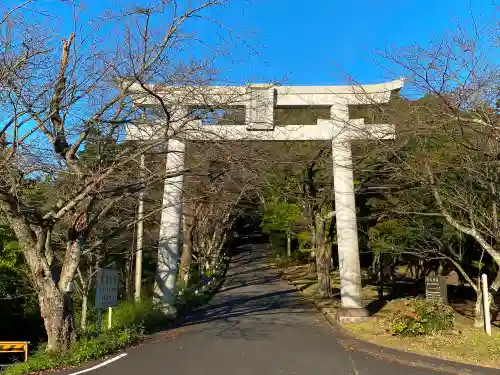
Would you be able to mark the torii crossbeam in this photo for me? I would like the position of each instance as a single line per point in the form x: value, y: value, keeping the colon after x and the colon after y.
x: 259, y: 102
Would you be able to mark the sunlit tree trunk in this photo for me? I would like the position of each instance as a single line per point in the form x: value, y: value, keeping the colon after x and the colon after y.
x: 323, y: 260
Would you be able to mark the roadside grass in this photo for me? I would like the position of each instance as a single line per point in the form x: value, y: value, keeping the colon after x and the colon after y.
x: 130, y: 322
x: 464, y: 343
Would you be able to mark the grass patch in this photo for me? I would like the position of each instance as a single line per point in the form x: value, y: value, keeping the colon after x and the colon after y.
x: 130, y: 322
x: 463, y: 344
x: 469, y: 346
x: 144, y: 315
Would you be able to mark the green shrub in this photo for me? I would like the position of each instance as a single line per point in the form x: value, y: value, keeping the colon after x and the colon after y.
x: 301, y: 256
x: 130, y: 322
x: 422, y: 317
x: 144, y: 313
x: 278, y: 242
x: 90, y: 348
x: 86, y: 349
x: 38, y: 362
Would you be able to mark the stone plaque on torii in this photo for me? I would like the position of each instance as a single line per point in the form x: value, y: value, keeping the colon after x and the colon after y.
x: 259, y: 102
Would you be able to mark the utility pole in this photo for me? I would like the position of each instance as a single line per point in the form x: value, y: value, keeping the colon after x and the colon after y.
x: 140, y: 236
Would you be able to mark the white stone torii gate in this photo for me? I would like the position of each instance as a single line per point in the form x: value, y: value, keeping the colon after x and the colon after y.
x: 260, y: 102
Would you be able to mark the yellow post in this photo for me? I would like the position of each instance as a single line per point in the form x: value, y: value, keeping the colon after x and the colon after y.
x: 110, y: 317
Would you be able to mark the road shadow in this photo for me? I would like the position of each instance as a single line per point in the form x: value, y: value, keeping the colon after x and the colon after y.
x: 250, y: 297
x: 252, y: 300
x: 234, y: 283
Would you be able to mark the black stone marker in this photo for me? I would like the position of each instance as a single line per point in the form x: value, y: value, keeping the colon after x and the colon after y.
x: 436, y: 289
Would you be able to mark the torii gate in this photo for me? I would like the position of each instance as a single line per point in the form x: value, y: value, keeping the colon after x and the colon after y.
x: 259, y: 102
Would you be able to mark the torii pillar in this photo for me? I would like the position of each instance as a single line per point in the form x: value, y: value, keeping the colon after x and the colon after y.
x: 346, y: 221
x: 170, y: 236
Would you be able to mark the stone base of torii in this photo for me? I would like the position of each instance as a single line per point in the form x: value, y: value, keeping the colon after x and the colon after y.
x: 260, y: 102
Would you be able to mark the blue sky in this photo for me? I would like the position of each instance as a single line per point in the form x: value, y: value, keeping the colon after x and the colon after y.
x: 299, y: 42
x: 317, y: 42
x: 311, y: 42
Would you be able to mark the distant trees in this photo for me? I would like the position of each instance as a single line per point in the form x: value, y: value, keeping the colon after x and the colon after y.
x: 297, y: 201
x: 281, y: 213
x: 18, y: 305
x: 215, y: 190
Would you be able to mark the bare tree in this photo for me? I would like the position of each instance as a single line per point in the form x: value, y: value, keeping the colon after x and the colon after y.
x: 59, y: 97
x: 447, y: 141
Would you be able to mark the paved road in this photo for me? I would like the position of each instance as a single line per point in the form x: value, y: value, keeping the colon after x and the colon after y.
x: 257, y: 324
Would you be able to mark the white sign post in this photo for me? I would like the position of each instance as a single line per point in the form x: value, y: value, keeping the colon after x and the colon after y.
x: 106, y: 294
x: 486, y: 305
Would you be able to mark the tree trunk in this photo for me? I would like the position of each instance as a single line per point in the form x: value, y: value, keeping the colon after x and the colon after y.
x: 394, y: 280
x: 323, y: 272
x: 478, y: 311
x: 493, y: 296
x: 129, y: 268
x: 378, y: 266
x: 312, y: 263
x: 57, y: 313
x: 187, y: 255
x: 83, y: 322
x: 53, y: 291
x: 53, y: 294
x: 323, y: 259
x: 288, y: 245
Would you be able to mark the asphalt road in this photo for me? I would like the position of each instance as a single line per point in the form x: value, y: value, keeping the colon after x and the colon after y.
x: 257, y: 324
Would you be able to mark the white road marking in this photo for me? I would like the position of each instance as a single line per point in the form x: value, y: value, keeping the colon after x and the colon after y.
x: 100, y: 364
